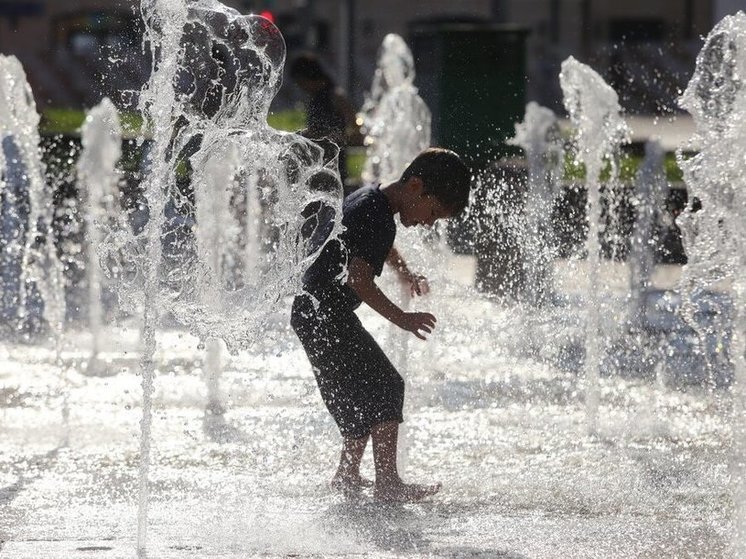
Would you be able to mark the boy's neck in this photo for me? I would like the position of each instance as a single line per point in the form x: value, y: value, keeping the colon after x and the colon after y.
x: 394, y: 194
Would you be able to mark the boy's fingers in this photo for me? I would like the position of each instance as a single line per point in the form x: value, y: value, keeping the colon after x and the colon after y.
x: 424, y: 286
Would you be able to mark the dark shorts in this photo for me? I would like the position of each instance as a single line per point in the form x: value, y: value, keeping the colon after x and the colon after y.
x: 358, y: 383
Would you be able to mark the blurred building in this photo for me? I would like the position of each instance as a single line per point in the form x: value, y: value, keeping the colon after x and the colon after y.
x: 75, y: 51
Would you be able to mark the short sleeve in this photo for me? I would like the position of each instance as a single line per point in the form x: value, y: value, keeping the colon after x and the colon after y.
x: 368, y: 234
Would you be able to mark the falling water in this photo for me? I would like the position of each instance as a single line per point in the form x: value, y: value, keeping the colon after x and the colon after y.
x: 205, y: 106
x: 594, y: 109
x: 40, y: 268
x: 101, y: 137
x: 650, y: 196
x: 715, y: 236
x: 396, y: 121
x: 538, y: 135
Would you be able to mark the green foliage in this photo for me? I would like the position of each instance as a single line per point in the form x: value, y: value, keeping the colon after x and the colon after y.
x: 355, y: 162
x: 290, y: 120
x: 628, y: 167
x: 67, y: 122
x: 61, y: 121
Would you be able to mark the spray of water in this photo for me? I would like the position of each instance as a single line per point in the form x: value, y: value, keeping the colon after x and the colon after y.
x: 594, y: 109
x: 222, y: 187
x: 650, y: 196
x: 41, y: 269
x: 538, y: 135
x: 395, y: 120
x: 101, y: 137
x: 715, y: 236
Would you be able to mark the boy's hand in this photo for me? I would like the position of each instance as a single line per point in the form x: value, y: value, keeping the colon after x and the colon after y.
x: 419, y: 323
x: 417, y: 284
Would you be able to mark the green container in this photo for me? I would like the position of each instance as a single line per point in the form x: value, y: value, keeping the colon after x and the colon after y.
x: 473, y: 78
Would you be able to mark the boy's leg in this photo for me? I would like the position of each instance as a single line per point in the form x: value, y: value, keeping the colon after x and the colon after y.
x: 389, y: 486
x: 348, y: 471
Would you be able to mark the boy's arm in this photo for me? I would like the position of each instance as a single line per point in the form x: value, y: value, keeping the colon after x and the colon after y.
x: 360, y: 279
x: 418, y: 284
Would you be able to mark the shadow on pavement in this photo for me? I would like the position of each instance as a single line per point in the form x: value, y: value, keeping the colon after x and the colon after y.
x: 218, y: 430
x: 25, y: 476
x: 401, y: 529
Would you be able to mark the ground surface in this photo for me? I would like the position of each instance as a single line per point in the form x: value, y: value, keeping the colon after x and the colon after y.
x: 503, y: 430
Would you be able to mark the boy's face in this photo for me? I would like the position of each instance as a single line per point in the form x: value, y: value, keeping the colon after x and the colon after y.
x: 421, y: 208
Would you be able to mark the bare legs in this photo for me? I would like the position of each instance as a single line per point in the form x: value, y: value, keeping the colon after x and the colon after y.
x: 389, y: 486
x: 348, y: 477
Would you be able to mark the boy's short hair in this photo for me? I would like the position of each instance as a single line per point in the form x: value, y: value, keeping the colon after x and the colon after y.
x: 443, y: 175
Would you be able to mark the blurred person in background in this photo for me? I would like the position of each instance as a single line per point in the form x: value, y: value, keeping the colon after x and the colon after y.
x: 329, y: 114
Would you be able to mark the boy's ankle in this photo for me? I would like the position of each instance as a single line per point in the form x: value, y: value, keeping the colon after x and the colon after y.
x: 388, y: 479
x: 347, y: 473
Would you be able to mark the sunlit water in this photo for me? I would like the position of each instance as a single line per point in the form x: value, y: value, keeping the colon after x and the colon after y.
x: 504, y: 432
x: 593, y: 107
x: 497, y: 403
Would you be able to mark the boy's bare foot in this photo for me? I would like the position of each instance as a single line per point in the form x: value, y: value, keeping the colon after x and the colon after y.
x: 349, y: 484
x: 400, y: 492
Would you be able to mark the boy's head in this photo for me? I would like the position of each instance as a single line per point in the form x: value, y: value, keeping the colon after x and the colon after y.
x: 437, y: 183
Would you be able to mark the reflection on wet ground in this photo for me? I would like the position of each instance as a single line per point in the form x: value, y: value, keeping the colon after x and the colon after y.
x: 504, y: 432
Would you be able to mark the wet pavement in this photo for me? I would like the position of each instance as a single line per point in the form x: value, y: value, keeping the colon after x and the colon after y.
x: 503, y: 430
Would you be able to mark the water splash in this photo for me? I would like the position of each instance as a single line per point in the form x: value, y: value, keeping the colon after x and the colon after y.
x: 650, y: 196
x: 395, y: 120
x: 101, y: 137
x: 270, y: 178
x: 213, y: 162
x: 715, y: 236
x: 538, y: 135
x: 33, y: 208
x: 594, y: 109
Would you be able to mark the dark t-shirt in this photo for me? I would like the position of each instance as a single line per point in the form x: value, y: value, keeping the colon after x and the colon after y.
x: 369, y: 234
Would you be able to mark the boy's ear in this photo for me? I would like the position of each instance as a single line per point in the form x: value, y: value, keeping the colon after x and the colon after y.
x: 416, y: 184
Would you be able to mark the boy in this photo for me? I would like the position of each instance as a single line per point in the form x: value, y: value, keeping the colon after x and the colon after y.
x: 359, y: 385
